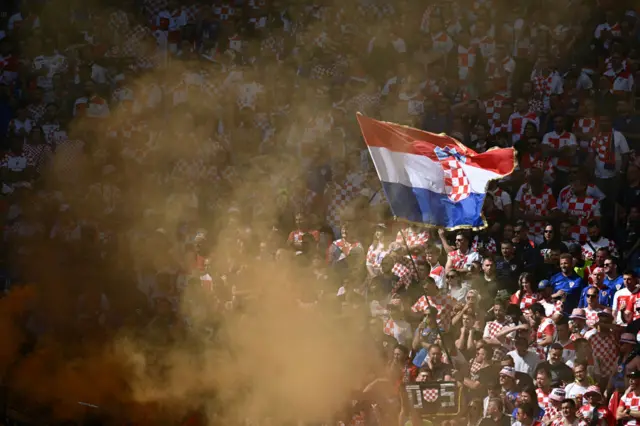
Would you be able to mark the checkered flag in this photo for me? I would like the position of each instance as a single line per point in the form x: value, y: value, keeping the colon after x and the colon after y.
x: 430, y: 395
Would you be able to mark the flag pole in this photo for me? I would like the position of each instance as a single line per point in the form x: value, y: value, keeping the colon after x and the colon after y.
x: 429, y: 305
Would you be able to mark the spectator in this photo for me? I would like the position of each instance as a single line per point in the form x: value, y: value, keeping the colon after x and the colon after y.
x: 508, y: 267
x: 567, y: 285
x: 568, y: 410
x: 579, y: 387
x: 559, y: 371
x: 525, y: 416
x: 525, y: 360
x: 495, y: 414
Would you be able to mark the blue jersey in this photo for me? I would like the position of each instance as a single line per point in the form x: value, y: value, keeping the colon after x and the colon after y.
x: 605, y: 296
x: 572, y: 286
x: 614, y: 284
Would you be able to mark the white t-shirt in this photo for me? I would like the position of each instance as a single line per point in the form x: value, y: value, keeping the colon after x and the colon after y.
x: 574, y: 390
x: 621, y: 301
x: 525, y: 364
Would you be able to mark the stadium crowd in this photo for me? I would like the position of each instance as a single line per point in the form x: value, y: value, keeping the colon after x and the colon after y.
x: 536, y: 318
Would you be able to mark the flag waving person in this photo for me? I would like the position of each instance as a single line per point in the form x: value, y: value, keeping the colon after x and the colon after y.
x: 433, y: 179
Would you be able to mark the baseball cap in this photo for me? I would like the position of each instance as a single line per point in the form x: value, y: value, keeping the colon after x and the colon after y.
x: 508, y: 371
x: 578, y: 313
x: 543, y: 284
x: 635, y: 374
x: 604, y: 314
x: 558, y: 394
x: 593, y: 390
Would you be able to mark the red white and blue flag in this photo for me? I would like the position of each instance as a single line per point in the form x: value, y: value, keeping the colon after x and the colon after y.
x: 433, y: 179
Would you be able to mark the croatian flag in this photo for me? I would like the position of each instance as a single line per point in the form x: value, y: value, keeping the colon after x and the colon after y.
x: 433, y: 179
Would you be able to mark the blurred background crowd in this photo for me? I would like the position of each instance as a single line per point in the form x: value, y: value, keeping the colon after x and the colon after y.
x: 158, y: 154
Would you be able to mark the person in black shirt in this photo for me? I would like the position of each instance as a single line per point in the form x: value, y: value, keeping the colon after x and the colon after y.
x: 551, y: 241
x: 508, y: 268
x: 550, y: 264
x: 486, y: 282
x: 524, y: 247
x: 495, y: 414
x: 560, y: 372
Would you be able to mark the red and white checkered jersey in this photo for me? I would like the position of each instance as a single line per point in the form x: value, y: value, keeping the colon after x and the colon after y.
x: 492, y: 329
x: 546, y: 85
x: 592, y: 191
x: 553, y: 414
x: 466, y: 62
x: 590, y: 247
x: 492, y: 106
x: 630, y: 401
x: 583, y: 208
x: 588, y: 127
x: 518, y: 121
x: 528, y: 300
x: 605, y: 351
x: 592, y: 316
x: 538, y: 161
x: 543, y: 398
x: 375, y: 254
x: 444, y: 305
x: 557, y: 142
x: 461, y: 260
x: 539, y: 205
x: 437, y: 273
x: 585, y: 414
